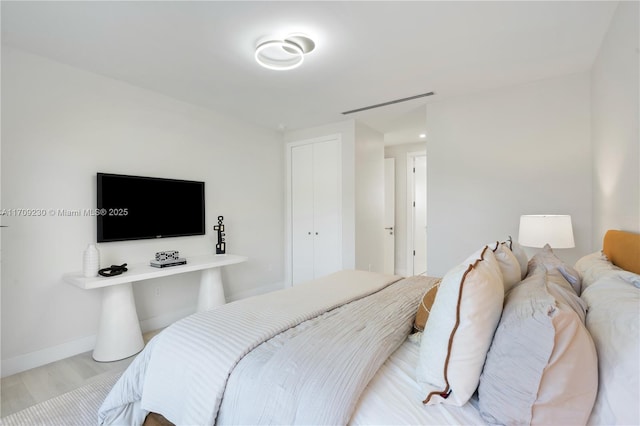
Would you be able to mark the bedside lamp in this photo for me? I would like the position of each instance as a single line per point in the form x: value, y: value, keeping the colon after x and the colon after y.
x: 538, y: 230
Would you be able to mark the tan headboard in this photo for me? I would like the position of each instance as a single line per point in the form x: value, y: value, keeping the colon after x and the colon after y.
x: 623, y: 249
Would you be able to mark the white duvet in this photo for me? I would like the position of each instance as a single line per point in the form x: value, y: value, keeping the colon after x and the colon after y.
x: 613, y: 319
x: 182, y: 374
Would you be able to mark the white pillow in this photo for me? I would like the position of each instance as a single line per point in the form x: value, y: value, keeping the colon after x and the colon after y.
x: 520, y: 254
x: 509, y: 265
x: 458, y: 334
x: 594, y: 266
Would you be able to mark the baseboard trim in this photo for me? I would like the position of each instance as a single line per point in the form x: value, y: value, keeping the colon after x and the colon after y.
x: 41, y: 357
x: 35, y: 359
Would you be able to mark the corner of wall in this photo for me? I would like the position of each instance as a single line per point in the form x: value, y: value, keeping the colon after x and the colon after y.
x: 615, y: 126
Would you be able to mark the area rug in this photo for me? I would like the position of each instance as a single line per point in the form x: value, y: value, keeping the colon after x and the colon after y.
x: 78, y: 407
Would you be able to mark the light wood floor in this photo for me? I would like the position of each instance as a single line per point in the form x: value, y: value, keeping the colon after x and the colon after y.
x: 33, y: 386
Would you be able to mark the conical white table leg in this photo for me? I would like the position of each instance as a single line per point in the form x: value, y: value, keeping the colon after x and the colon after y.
x: 211, y: 290
x: 119, y: 334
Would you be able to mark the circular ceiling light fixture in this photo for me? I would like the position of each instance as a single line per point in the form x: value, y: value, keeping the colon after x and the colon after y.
x: 284, y: 54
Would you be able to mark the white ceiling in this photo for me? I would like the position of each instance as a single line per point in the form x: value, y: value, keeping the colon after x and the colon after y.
x: 366, y: 52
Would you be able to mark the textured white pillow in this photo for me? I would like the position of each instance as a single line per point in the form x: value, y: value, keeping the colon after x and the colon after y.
x: 542, y: 366
x: 509, y: 265
x: 595, y: 266
x: 549, y: 260
x: 461, y: 324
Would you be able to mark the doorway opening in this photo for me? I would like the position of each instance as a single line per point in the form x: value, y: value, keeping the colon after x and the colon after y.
x: 389, y: 216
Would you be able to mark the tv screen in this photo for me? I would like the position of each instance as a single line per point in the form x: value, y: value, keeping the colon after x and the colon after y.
x: 136, y: 208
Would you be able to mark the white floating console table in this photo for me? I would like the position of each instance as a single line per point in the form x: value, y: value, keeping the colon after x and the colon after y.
x: 119, y: 334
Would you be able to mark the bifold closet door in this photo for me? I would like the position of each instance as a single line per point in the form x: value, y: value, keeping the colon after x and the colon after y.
x: 327, y: 215
x: 316, y: 216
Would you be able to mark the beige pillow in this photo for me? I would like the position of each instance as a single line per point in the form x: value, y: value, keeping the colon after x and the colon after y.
x: 542, y: 366
x: 424, y: 309
x: 462, y: 321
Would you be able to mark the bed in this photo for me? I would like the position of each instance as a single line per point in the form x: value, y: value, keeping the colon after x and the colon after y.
x: 499, y: 339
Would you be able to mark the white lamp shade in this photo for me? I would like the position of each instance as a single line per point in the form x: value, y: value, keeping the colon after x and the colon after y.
x: 538, y: 230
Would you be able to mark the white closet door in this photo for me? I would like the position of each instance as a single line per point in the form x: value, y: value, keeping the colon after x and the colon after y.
x: 302, y: 232
x: 327, y: 207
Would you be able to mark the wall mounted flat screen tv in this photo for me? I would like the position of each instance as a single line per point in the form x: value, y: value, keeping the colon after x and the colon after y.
x: 137, y: 208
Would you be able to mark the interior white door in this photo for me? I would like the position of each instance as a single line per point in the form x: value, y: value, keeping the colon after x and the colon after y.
x: 302, y: 213
x: 327, y: 212
x: 420, y: 215
x: 389, y: 215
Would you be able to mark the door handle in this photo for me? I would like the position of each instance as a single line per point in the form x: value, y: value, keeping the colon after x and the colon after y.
x: 390, y: 228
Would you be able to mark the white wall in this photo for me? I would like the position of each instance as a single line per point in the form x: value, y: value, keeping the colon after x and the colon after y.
x: 494, y: 156
x: 616, y: 133
x: 399, y: 153
x: 369, y: 167
x: 61, y: 125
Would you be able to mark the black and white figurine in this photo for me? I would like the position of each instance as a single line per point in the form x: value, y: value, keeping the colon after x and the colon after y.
x: 221, y: 246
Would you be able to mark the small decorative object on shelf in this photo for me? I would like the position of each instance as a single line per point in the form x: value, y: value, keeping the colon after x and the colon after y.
x: 113, y: 270
x: 91, y: 261
x: 221, y: 246
x: 168, y: 258
x: 167, y: 255
x: 168, y: 262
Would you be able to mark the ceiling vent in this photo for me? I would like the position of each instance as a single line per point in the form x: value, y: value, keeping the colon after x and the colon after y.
x: 410, y: 98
